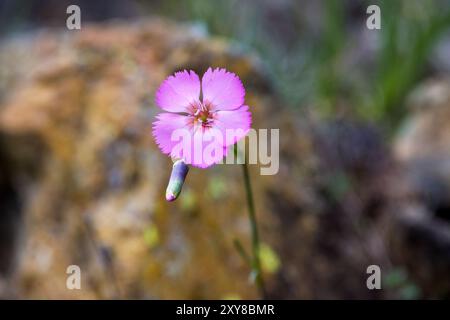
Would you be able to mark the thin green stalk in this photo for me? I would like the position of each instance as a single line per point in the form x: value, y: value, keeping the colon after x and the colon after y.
x: 238, y: 245
x: 255, y: 259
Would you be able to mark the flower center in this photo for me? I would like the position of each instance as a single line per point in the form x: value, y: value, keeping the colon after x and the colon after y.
x: 202, y: 114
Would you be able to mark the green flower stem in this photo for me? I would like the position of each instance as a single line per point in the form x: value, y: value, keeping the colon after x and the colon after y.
x: 240, y: 249
x: 255, y: 257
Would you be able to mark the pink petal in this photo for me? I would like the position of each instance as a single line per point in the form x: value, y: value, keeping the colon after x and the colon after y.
x: 177, y: 92
x: 223, y: 89
x: 169, y: 131
x: 163, y: 128
x: 237, y: 122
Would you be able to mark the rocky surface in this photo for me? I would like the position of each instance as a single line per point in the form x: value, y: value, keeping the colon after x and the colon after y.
x: 423, y: 150
x: 82, y: 182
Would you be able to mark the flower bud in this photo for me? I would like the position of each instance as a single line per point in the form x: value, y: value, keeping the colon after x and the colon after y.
x: 177, y: 177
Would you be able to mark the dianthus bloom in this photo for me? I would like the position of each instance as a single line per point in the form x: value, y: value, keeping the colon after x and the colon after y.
x: 202, y: 119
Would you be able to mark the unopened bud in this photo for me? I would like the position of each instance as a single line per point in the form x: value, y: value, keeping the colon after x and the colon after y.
x: 177, y: 177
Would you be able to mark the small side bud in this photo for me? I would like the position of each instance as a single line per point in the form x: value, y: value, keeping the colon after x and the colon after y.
x: 177, y: 177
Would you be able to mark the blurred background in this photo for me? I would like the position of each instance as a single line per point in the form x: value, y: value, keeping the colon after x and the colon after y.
x: 364, y: 150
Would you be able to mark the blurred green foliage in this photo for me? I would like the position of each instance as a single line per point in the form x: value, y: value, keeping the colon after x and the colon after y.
x: 217, y: 187
x: 397, y: 280
x: 410, y: 35
x: 151, y: 236
x: 189, y: 200
x: 270, y: 262
x: 308, y: 66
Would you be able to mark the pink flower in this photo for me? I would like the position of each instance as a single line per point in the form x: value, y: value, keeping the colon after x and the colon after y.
x: 209, y: 116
